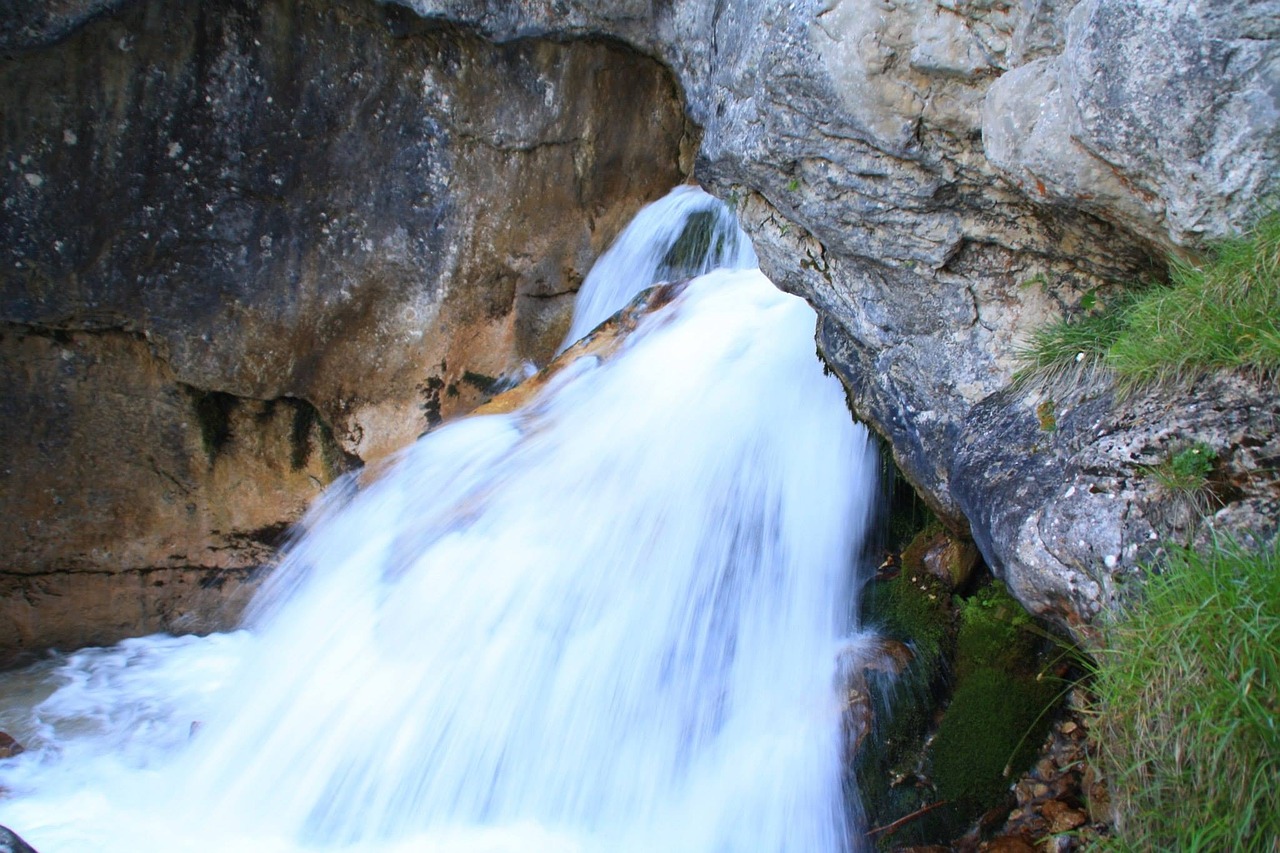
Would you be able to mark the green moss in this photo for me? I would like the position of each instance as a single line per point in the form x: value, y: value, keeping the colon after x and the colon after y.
x: 915, y: 608
x: 304, y: 418
x: 309, y: 431
x: 885, y: 768
x: 997, y: 715
x: 992, y: 725
x: 702, y: 236
x: 988, y: 736
x: 995, y: 632
x: 946, y: 769
x: 213, y: 415
x: 480, y: 381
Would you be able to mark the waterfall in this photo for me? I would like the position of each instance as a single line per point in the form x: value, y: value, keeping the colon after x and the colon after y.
x: 607, y: 621
x: 685, y: 234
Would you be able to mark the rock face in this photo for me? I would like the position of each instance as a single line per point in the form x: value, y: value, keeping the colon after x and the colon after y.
x: 247, y: 245
x: 937, y: 178
x: 940, y: 178
x: 905, y: 184
x: 1160, y: 115
x: 1064, y: 509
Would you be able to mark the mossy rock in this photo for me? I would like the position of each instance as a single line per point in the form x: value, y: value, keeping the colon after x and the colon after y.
x: 914, y: 608
x: 989, y: 649
x: 704, y: 235
x: 995, y: 632
x: 949, y: 558
x: 987, y: 737
x: 998, y: 713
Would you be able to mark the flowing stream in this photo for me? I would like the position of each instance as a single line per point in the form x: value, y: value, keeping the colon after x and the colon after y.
x: 608, y: 621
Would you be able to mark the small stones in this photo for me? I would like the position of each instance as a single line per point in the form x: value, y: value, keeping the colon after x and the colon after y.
x: 1062, y: 804
x: 1008, y: 844
x: 1061, y: 817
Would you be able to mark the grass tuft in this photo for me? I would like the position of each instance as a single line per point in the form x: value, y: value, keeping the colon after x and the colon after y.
x: 1189, y: 705
x: 1224, y: 314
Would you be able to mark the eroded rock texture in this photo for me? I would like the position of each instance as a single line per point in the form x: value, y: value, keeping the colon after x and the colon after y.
x: 309, y: 211
x: 244, y: 245
x: 938, y: 178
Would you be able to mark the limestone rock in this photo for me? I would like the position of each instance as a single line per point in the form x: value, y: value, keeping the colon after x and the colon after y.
x: 1161, y: 116
x: 1068, y: 514
x: 132, y: 502
x: 912, y: 168
x: 873, y: 149
x: 306, y: 201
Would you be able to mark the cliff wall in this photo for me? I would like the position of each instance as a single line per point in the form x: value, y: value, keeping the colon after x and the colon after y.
x: 941, y: 178
x: 248, y: 245
x: 362, y: 211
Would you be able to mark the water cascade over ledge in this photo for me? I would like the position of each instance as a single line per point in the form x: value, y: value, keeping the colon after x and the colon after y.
x: 610, y: 620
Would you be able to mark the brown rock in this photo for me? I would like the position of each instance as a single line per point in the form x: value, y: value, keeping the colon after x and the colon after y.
x: 882, y: 655
x: 9, y: 747
x: 953, y: 561
x: 1061, y: 817
x: 601, y: 343
x: 309, y: 232
x: 1008, y: 844
x: 947, y: 557
x: 1096, y: 794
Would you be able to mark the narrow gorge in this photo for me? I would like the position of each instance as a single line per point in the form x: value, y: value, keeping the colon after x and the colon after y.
x: 251, y: 249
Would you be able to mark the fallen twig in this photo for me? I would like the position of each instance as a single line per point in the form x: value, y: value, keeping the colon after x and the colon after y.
x: 890, y: 827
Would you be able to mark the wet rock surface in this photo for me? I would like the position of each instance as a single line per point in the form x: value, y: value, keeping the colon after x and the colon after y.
x: 243, y: 247
x: 9, y: 747
x: 11, y: 843
x: 937, y: 180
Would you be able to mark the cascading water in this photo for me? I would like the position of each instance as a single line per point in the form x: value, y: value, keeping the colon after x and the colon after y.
x: 688, y: 233
x: 608, y: 621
